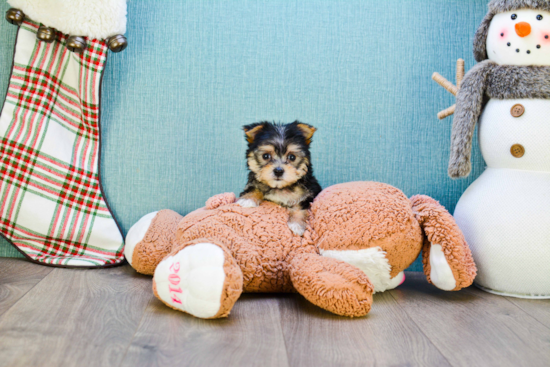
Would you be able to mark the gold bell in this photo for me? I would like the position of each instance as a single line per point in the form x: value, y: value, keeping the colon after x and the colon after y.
x: 46, y: 34
x: 76, y: 44
x: 15, y: 16
x: 117, y: 43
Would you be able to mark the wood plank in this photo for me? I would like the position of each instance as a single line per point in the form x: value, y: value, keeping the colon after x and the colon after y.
x: 250, y: 336
x: 75, y: 318
x: 17, y: 277
x: 386, y: 337
x: 474, y: 328
x: 539, y: 309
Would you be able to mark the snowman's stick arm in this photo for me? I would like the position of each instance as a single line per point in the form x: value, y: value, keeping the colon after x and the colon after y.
x: 459, y: 72
x: 450, y: 87
x: 446, y: 113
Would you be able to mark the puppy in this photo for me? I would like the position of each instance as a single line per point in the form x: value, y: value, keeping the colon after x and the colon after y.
x: 279, y: 162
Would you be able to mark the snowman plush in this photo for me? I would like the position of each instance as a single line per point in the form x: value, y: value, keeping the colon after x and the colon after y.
x: 505, y: 213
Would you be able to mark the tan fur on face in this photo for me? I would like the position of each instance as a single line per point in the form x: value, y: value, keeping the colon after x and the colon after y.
x: 294, y: 171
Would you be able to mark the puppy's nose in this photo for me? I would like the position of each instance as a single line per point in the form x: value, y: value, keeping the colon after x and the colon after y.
x: 278, y: 172
x: 523, y: 29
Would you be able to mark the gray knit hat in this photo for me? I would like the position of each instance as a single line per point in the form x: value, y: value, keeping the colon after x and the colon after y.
x: 501, y: 6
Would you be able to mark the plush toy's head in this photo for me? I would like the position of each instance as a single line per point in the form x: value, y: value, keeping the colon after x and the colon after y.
x: 515, y: 32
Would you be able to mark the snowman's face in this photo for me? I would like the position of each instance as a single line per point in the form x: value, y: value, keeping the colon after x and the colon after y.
x: 520, y: 37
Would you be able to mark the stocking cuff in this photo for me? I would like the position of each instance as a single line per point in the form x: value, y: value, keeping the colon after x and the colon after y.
x: 95, y: 19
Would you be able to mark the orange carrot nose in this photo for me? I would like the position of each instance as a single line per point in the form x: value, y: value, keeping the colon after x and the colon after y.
x: 523, y: 29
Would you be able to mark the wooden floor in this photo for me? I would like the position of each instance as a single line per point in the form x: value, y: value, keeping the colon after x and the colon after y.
x: 61, y: 317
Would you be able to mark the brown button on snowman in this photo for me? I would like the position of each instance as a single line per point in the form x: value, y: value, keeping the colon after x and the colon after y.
x: 505, y: 213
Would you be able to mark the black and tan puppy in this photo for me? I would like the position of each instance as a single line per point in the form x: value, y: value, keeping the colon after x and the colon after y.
x: 280, y: 167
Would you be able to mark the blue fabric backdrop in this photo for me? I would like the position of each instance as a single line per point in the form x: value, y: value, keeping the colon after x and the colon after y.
x: 196, y: 71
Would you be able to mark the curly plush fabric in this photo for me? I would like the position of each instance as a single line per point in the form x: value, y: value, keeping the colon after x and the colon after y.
x: 373, y: 223
x: 333, y: 285
x: 360, y: 215
x: 220, y: 200
x: 157, y: 243
x: 440, y: 228
x: 259, y: 239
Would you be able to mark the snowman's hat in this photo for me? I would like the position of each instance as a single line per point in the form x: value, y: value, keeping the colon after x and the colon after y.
x: 496, y: 7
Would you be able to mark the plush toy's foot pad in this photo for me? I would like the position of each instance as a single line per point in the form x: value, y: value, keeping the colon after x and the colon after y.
x: 202, y: 279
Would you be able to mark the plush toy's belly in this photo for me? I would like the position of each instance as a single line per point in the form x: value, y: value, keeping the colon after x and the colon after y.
x: 265, y: 275
x: 505, y: 217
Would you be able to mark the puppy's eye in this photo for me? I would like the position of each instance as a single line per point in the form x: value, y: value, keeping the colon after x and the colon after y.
x: 291, y: 157
x: 266, y: 156
x: 514, y: 16
x: 539, y: 17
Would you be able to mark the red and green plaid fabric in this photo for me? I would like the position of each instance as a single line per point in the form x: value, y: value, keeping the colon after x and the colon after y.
x: 51, y: 204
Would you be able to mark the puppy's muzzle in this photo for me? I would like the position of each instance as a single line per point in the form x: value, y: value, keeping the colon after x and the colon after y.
x: 278, y: 172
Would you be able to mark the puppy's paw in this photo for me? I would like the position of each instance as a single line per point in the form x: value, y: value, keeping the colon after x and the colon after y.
x: 247, y: 203
x: 297, y: 228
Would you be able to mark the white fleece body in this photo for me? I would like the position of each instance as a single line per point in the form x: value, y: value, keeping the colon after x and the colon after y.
x: 505, y: 218
x: 373, y: 263
x: 96, y: 19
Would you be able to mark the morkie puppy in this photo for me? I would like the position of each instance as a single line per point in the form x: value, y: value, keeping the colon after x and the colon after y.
x: 280, y: 169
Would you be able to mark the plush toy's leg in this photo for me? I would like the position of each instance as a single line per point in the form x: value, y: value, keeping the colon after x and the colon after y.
x: 150, y: 240
x: 447, y: 259
x: 200, y: 278
x: 332, y: 284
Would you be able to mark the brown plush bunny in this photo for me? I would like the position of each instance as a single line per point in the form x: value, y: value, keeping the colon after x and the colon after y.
x: 360, y: 238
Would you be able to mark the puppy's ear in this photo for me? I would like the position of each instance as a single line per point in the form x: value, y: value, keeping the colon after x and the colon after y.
x: 251, y: 131
x: 307, y: 130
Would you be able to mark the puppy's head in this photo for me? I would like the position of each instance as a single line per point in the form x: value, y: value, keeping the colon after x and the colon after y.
x: 278, y: 154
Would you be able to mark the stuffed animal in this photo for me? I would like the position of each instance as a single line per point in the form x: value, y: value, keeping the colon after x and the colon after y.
x: 360, y: 238
x: 505, y: 213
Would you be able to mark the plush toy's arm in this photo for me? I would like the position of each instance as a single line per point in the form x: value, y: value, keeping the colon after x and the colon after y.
x: 469, y: 103
x: 332, y: 284
x: 447, y: 259
x: 220, y: 200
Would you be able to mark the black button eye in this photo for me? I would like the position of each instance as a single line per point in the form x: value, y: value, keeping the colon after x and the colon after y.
x: 539, y: 17
x: 291, y: 157
x: 514, y: 16
x: 266, y: 156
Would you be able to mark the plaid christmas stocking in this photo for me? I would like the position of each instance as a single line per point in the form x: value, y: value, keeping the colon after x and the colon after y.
x: 51, y: 204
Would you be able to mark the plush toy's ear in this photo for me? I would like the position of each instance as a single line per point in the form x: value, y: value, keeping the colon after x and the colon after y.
x: 252, y: 130
x: 447, y: 259
x: 307, y: 130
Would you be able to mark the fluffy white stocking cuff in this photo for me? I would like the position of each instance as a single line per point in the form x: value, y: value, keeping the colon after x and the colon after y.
x: 90, y: 18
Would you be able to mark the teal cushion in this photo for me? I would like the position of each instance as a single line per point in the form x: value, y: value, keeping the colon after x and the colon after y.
x: 196, y: 71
